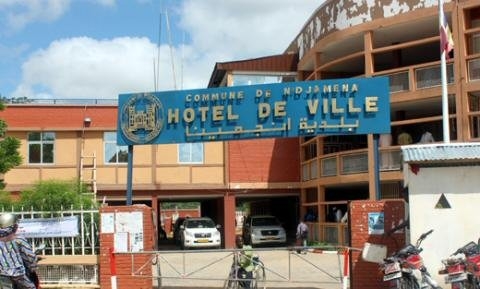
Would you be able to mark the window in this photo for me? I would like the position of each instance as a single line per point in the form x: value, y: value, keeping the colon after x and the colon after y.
x: 41, y: 147
x: 114, y: 154
x: 190, y: 153
x: 431, y: 76
x: 249, y: 79
x: 474, y: 69
x: 475, y: 43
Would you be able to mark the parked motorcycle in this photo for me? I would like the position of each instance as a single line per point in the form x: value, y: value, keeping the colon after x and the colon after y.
x: 402, y: 268
x: 462, y: 268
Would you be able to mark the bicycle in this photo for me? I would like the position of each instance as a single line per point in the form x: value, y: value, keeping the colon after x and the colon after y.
x: 239, y: 278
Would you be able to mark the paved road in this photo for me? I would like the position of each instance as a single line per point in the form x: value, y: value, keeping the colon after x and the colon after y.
x: 284, y: 268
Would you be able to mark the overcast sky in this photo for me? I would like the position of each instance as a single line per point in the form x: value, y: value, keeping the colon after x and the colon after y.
x: 100, y: 48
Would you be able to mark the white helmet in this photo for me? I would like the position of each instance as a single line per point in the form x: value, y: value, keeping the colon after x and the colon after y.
x: 8, y: 224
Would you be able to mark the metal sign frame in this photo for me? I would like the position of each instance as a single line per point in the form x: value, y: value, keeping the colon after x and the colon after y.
x: 290, y: 109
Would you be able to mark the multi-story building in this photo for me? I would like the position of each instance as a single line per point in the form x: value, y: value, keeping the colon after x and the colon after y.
x: 400, y: 40
x: 341, y: 39
x: 62, y: 141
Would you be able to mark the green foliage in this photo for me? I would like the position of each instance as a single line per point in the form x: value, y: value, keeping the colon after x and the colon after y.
x: 180, y: 205
x: 6, y: 201
x: 321, y: 245
x: 53, y: 195
x: 9, y: 155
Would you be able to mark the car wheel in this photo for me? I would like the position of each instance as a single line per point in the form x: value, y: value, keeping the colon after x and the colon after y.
x: 250, y: 240
x: 182, y: 244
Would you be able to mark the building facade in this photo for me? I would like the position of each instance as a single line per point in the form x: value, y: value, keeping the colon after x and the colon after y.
x: 68, y: 142
x: 289, y: 178
x: 400, y: 40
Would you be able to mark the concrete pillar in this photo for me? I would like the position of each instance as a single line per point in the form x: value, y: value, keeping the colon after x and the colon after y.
x: 229, y: 220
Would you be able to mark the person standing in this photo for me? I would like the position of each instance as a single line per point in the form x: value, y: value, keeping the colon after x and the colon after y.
x: 302, y: 236
x: 385, y: 140
x: 427, y: 137
x: 404, y: 138
x: 18, y: 261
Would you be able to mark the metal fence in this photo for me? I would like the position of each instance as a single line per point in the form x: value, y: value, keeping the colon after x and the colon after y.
x: 86, y: 243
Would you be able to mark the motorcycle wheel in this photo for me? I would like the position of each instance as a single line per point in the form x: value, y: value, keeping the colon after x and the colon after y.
x: 407, y: 282
x: 476, y: 283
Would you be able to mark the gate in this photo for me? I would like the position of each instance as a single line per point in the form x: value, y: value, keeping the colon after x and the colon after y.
x: 68, y: 260
x: 283, y: 267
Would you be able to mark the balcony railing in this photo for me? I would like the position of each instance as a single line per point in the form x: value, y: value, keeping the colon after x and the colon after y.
x: 432, y: 76
x: 331, y: 233
x: 399, y: 82
x: 474, y: 69
x: 350, y: 162
x: 426, y: 76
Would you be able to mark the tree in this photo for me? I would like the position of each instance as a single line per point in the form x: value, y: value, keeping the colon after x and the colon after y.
x: 9, y: 155
x: 55, y: 195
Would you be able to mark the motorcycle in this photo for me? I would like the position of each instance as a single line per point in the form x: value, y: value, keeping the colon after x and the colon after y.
x: 402, y: 267
x: 462, y: 268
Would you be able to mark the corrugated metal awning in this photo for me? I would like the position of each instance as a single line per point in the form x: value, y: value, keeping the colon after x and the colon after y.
x: 442, y: 152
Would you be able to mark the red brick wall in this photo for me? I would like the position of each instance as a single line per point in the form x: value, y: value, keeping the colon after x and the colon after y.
x: 265, y: 160
x: 123, y: 261
x: 168, y: 221
x: 72, y: 117
x: 366, y: 275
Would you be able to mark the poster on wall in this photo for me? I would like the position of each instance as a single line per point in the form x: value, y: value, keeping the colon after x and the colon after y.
x: 136, y: 231
x: 49, y: 227
x: 376, y: 224
x: 120, y: 241
x: 127, y: 228
x: 107, y: 221
x: 122, y: 222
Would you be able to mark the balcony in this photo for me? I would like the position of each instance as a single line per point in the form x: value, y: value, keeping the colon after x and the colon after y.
x: 330, y: 233
x: 350, y: 162
x: 474, y: 69
x: 426, y: 76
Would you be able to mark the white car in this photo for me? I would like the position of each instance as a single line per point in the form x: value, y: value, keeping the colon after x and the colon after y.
x: 263, y: 229
x: 200, y: 233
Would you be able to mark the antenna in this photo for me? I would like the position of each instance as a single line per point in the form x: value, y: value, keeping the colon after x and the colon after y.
x: 157, y: 70
x: 181, y: 62
x: 169, y: 34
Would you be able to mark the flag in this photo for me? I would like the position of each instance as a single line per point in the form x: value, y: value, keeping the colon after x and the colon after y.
x: 446, y: 38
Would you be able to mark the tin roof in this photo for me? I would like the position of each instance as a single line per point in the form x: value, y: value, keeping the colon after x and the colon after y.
x: 441, y: 152
x: 273, y: 63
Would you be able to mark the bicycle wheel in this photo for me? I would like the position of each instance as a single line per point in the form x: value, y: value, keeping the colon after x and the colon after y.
x: 231, y: 282
x: 259, y: 278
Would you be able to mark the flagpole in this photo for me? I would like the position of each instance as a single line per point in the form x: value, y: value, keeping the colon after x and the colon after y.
x: 445, y: 116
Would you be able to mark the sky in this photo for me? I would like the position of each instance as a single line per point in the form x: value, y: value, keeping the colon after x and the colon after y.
x: 97, y: 49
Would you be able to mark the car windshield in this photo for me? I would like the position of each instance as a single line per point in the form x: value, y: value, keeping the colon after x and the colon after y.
x: 265, y: 221
x: 203, y: 223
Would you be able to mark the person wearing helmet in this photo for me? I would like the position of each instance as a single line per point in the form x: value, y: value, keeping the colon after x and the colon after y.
x: 17, y: 259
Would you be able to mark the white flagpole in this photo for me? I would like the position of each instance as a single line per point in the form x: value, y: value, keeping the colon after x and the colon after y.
x: 445, y: 116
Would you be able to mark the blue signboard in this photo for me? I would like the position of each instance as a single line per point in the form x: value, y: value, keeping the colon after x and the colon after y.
x: 289, y: 109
